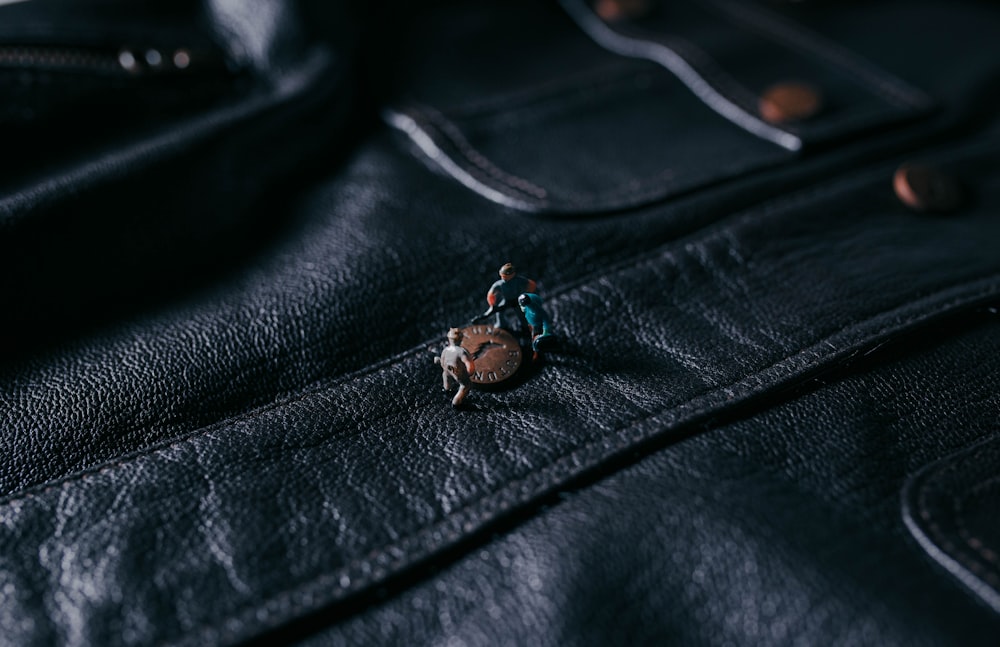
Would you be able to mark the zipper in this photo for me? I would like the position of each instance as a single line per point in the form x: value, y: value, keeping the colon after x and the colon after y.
x: 125, y: 61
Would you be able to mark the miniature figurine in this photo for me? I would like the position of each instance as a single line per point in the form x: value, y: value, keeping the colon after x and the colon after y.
x: 456, y: 364
x: 503, y: 294
x: 539, y: 321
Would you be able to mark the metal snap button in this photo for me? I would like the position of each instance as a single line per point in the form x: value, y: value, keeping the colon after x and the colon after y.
x: 791, y: 101
x: 924, y: 188
x: 616, y: 10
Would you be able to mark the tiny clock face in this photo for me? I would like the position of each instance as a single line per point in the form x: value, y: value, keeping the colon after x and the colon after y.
x: 496, y: 353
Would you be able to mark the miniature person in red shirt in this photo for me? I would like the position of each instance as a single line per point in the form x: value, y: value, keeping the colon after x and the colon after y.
x: 503, y: 295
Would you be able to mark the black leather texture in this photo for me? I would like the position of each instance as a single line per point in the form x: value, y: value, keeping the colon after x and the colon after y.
x: 771, y: 418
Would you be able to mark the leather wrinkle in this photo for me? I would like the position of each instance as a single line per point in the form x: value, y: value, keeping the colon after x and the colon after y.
x: 765, y: 209
x: 716, y: 454
x: 394, y: 555
x: 623, y: 441
x: 679, y: 469
x: 541, y: 480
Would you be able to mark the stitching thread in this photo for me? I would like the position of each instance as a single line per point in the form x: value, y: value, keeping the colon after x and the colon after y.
x: 798, y: 37
x: 360, y: 572
x: 394, y: 555
x: 933, y: 486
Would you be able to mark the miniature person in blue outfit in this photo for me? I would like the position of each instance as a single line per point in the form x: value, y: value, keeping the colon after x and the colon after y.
x: 503, y: 295
x: 542, y: 337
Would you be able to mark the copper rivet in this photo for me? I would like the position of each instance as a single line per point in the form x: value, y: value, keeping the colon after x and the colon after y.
x: 615, y: 10
x: 786, y: 102
x: 923, y: 188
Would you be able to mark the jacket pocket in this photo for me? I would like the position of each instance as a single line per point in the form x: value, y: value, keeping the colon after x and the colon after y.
x: 564, y: 113
x: 950, y: 508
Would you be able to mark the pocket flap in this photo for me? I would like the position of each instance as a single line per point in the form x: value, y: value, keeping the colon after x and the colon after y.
x: 580, y: 117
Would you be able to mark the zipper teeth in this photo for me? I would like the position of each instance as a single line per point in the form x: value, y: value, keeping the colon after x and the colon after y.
x: 59, y: 58
x: 129, y: 61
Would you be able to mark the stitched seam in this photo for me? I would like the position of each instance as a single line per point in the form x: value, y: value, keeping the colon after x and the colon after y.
x: 454, y: 135
x: 624, y: 84
x: 604, y: 80
x: 798, y: 37
x: 635, y: 47
x: 512, y: 493
x: 705, y: 231
x: 933, y: 486
x: 765, y: 209
x: 640, y: 190
x: 622, y: 91
x: 980, y: 569
x: 710, y: 70
x: 643, y: 189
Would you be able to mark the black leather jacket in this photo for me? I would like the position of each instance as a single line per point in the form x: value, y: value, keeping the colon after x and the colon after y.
x: 233, y: 235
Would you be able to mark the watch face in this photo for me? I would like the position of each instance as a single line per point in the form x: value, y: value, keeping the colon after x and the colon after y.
x: 496, y: 353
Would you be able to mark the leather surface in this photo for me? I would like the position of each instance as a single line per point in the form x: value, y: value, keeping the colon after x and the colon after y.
x: 778, y: 527
x: 222, y: 422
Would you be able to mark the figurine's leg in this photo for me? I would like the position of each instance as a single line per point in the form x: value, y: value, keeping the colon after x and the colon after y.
x: 545, y: 342
x: 523, y: 322
x: 446, y: 379
x: 462, y: 390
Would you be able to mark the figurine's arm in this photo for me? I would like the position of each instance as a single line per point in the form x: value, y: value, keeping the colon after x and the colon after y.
x: 491, y: 298
x: 469, y: 364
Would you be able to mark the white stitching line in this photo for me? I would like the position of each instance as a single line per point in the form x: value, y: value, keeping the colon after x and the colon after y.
x: 455, y: 135
x: 798, y: 37
x: 659, y: 53
x: 365, y: 570
x: 488, y: 506
x: 408, y: 126
x: 382, y: 562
